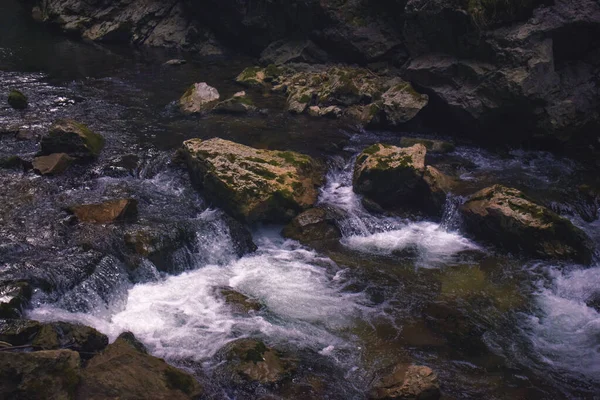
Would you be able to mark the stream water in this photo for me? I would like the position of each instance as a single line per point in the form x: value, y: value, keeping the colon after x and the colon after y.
x: 492, y: 325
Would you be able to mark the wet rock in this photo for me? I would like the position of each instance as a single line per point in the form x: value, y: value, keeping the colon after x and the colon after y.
x: 401, y: 103
x: 238, y: 104
x: 54, y: 164
x: 73, y: 138
x: 257, y: 76
x: 252, y: 184
x: 330, y: 112
x: 17, y: 100
x: 391, y: 176
x: 80, y: 338
x: 313, y: 225
x: 241, y: 237
x: 14, y: 298
x: 439, y: 186
x: 252, y: 360
x: 176, y: 62
x: 13, y: 162
x: 125, y: 371
x: 18, y: 332
x: 407, y: 382
x: 199, y: 97
x: 39, y: 375
x: 506, y: 217
x: 432, y: 145
x: 239, y: 302
x: 106, y: 212
x: 25, y: 134
x: 293, y: 51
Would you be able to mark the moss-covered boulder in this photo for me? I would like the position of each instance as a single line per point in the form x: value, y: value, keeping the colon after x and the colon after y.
x: 198, y: 98
x: 239, y: 303
x: 506, y: 217
x: 125, y: 371
x: 407, y: 382
x: 391, y: 176
x: 340, y: 91
x: 73, y: 138
x: 14, y: 297
x: 106, y: 212
x: 240, y: 103
x: 252, y: 184
x: 14, y: 162
x: 17, y: 100
x: 252, y: 360
x: 39, y: 375
x: 314, y: 225
x: 439, y: 185
x: 432, y: 145
x: 54, y: 164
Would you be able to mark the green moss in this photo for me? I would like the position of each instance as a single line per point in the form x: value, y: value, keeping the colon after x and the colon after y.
x: 305, y: 98
x: 294, y: 159
x: 273, y: 71
x: 373, y: 149
x: 262, y: 172
x: 93, y: 141
x: 178, y: 380
x: 17, y: 100
x: 256, y: 354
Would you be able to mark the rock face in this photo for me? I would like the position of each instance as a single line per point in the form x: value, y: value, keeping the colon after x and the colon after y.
x: 199, y: 97
x: 17, y: 100
x: 124, y: 371
x: 251, y: 360
x: 251, y: 184
x: 356, y: 93
x: 312, y: 226
x: 107, y: 212
x: 39, y: 375
x: 54, y: 164
x: 506, y: 217
x: 406, y: 383
x: 74, y: 139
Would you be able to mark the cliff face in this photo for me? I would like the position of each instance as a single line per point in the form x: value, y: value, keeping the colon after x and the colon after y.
x: 502, y: 67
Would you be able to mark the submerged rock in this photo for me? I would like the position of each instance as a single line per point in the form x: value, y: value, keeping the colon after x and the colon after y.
x: 14, y: 297
x: 239, y: 302
x: 506, y: 217
x: 199, y: 97
x: 125, y: 371
x: 39, y: 375
x: 432, y: 145
x: 252, y: 184
x: 238, y: 104
x: 14, y: 162
x: 17, y: 100
x: 407, y: 382
x: 54, y: 164
x: 106, y: 212
x: 74, y: 139
x: 252, y: 360
x: 311, y: 226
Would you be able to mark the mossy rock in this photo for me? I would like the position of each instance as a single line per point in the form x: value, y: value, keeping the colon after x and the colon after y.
x: 17, y: 100
x: 14, y: 298
x: 314, y: 225
x: 404, y: 381
x: 239, y: 302
x: 73, y: 138
x: 240, y: 103
x: 198, y: 98
x: 432, y: 145
x: 508, y: 218
x: 253, y: 184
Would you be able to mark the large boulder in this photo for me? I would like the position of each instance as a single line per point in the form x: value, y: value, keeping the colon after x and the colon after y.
x: 125, y: 371
x: 39, y: 375
x: 251, y: 360
x: 54, y: 164
x: 314, y: 225
x: 253, y: 184
x: 407, y: 382
x: 391, y: 176
x: 17, y: 100
x: 199, y: 97
x: 106, y: 212
x: 73, y: 138
x: 505, y: 216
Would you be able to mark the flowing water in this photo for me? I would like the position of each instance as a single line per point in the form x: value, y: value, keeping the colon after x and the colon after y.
x: 393, y: 289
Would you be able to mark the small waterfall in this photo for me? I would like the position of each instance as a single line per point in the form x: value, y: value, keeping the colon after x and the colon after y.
x: 451, y: 217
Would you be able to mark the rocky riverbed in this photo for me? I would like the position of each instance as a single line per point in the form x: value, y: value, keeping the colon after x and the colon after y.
x: 307, y: 200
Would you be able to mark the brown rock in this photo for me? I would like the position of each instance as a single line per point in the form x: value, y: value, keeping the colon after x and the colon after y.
x: 107, y: 212
x: 54, y: 164
x: 406, y: 383
x: 311, y: 226
x: 239, y: 302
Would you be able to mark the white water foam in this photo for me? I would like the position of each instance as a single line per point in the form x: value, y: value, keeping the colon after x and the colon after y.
x: 184, y: 317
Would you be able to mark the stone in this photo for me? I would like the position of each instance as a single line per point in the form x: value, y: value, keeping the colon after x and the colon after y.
x: 83, y: 339
x: 391, y: 176
x: 432, y: 145
x: 239, y: 302
x: 14, y: 298
x: 125, y: 371
x: 13, y: 162
x: 439, y: 185
x: 54, y: 164
x: 407, y: 382
x: 313, y: 225
x: 508, y: 218
x: 293, y: 51
x: 238, y: 104
x: 199, y: 97
x: 252, y: 360
x: 252, y: 184
x: 176, y: 62
x: 106, y: 212
x: 39, y: 375
x: 18, y: 332
x: 17, y: 100
x: 73, y: 138
x: 401, y: 103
